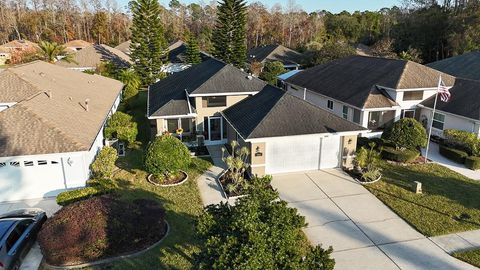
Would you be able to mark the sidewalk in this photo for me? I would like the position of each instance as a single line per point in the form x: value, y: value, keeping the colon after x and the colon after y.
x: 454, y: 242
x: 210, y: 190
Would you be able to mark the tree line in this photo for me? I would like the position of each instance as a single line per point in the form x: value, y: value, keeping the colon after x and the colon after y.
x: 423, y: 30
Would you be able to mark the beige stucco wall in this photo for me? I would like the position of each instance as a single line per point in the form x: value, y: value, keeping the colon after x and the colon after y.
x: 205, y: 112
x: 349, y: 146
x: 257, y: 156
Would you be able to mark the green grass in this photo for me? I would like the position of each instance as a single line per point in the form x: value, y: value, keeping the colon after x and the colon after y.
x: 182, y: 203
x: 472, y: 257
x: 450, y: 202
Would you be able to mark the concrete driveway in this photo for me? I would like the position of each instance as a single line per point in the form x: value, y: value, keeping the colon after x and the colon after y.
x: 34, y: 257
x: 364, y: 233
x: 435, y: 156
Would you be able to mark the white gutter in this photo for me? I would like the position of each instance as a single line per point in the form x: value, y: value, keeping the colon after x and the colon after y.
x: 224, y: 94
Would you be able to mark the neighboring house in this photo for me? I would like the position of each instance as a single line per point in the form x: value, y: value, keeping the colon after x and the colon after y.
x: 463, y: 66
x: 5, y: 56
x: 286, y: 134
x: 76, y: 45
x: 290, y: 59
x: 124, y: 47
x: 193, y: 99
x: 178, y: 59
x: 462, y: 112
x: 51, y: 128
x: 369, y: 91
x: 93, y: 56
x: 16, y: 47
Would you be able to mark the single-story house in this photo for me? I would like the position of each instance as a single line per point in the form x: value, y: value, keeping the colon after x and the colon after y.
x: 76, y: 45
x: 51, y: 128
x: 177, y: 57
x: 91, y: 57
x: 8, y: 50
x: 4, y: 56
x: 369, y: 91
x: 462, y: 112
x: 285, y: 133
x: 463, y: 66
x: 193, y: 99
x: 290, y: 59
x: 124, y: 47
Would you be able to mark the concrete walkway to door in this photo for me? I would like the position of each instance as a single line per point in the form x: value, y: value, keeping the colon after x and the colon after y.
x: 364, y: 233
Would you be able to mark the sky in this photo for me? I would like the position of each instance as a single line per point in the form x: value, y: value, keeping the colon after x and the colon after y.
x: 333, y: 6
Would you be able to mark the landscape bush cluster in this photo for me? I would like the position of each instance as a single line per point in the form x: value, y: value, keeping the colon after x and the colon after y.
x: 406, y: 133
x: 122, y: 127
x: 404, y: 156
x: 166, y: 155
x: 463, y: 140
x: 99, y: 228
x: 94, y: 188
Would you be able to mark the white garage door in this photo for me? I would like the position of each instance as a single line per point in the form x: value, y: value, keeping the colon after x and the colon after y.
x: 302, y: 153
x: 28, y: 179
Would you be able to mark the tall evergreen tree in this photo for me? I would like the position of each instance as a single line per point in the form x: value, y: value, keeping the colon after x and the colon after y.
x: 229, y: 35
x: 148, y: 42
x: 193, y: 51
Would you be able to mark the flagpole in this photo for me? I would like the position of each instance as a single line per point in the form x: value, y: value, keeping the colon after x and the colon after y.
x: 431, y: 120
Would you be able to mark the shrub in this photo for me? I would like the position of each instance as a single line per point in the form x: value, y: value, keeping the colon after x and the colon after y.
x: 399, y: 155
x: 271, y: 70
x: 94, y: 188
x: 463, y: 140
x: 259, y: 231
x: 121, y: 126
x: 406, y: 133
x: 166, y: 155
x: 473, y: 163
x: 237, y: 165
x: 99, y: 228
x: 456, y: 155
x: 372, y: 174
x: 364, y: 142
x: 104, y: 163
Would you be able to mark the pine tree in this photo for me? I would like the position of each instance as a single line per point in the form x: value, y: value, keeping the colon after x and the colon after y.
x: 148, y: 42
x: 229, y: 35
x: 193, y: 51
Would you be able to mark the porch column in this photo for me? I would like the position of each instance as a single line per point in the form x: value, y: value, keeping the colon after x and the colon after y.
x: 398, y: 114
x: 364, y: 119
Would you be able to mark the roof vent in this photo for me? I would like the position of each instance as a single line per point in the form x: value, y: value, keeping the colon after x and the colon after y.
x: 86, y: 104
x: 42, y: 74
x: 49, y: 93
x: 250, y: 77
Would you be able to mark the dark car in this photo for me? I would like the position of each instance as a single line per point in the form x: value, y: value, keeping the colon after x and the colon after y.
x: 18, y: 230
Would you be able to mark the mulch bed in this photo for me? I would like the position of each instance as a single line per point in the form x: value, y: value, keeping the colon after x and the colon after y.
x: 225, y: 181
x: 172, y: 180
x: 100, y: 228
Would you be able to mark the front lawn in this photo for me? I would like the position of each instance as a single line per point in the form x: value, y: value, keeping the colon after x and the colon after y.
x: 450, y: 202
x: 472, y: 257
x: 181, y: 203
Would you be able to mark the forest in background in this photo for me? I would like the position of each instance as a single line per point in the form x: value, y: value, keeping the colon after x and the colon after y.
x: 426, y: 30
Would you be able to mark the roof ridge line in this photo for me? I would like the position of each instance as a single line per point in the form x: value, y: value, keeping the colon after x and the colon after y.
x: 39, y: 91
x: 270, y: 111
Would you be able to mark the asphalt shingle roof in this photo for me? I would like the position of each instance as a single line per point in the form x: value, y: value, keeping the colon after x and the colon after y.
x: 352, y: 79
x: 465, y: 66
x: 274, y: 53
x: 168, y: 97
x: 51, y: 118
x: 275, y: 113
x: 94, y: 55
x: 464, y: 100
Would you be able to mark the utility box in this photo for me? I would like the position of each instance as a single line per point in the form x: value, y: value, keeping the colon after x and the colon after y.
x: 417, y: 186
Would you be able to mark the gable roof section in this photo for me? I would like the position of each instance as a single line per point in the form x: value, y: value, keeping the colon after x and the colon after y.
x: 464, y: 100
x: 40, y: 124
x: 168, y: 97
x: 13, y: 88
x: 94, y: 55
x: 275, y: 113
x: 352, y: 79
x: 124, y: 47
x: 20, y: 44
x: 465, y: 66
x: 77, y: 43
x: 274, y: 53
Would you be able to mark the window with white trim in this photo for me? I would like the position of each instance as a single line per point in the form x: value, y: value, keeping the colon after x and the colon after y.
x: 15, y: 164
x: 330, y: 104
x: 42, y: 162
x: 2, y: 164
x: 28, y: 163
x: 345, y: 112
x: 438, y: 121
x: 212, y: 102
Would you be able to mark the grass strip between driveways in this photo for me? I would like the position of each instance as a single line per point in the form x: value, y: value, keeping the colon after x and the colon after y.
x: 472, y: 257
x: 450, y: 201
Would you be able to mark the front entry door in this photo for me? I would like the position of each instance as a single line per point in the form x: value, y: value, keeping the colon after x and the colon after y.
x: 215, y: 127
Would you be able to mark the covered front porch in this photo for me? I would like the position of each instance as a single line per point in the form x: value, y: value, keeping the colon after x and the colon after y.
x: 378, y: 120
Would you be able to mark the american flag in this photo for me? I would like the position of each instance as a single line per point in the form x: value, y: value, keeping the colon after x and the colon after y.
x: 444, y: 91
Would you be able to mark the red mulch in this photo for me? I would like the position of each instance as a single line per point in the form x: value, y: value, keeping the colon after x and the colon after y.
x: 99, y: 228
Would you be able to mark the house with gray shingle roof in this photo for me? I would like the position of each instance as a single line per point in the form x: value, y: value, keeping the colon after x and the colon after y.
x: 193, y: 99
x: 464, y: 66
x: 290, y: 59
x: 91, y: 57
x: 51, y: 127
x: 369, y: 91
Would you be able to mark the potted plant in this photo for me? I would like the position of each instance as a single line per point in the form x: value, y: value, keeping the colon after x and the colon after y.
x: 234, y: 178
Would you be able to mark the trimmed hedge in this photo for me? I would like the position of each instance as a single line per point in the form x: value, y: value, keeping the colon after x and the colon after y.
x: 94, y: 188
x: 463, y: 140
x: 473, y: 163
x: 406, y: 155
x: 166, y: 155
x: 406, y: 133
x: 364, y: 142
x: 456, y: 155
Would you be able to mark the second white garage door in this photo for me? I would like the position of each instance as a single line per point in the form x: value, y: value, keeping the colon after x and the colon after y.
x: 302, y: 153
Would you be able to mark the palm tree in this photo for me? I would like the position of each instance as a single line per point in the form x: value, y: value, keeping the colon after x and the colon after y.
x: 52, y: 51
x: 132, y: 82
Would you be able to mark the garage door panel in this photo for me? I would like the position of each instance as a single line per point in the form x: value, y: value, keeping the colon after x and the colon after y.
x: 330, y: 157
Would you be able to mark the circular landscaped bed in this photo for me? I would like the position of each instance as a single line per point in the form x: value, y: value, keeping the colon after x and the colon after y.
x: 99, y: 228
x: 168, y: 181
